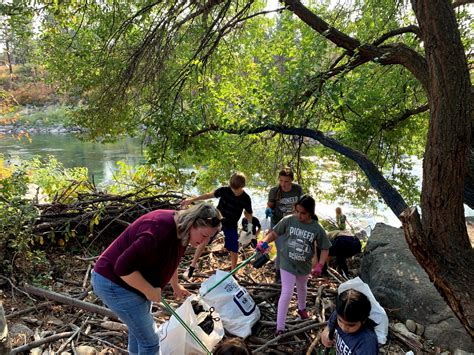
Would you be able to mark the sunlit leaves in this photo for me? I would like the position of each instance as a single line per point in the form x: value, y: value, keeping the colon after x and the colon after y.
x: 145, y: 75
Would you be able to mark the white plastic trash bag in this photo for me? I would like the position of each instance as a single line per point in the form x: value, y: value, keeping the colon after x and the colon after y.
x: 377, y: 313
x: 175, y: 339
x: 236, y: 307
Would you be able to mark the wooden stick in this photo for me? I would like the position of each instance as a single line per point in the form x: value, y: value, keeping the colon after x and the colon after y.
x: 70, y: 301
x: 313, y: 344
x: 28, y: 310
x: 74, y: 333
x: 37, y: 343
x: 293, y: 332
x: 86, y: 276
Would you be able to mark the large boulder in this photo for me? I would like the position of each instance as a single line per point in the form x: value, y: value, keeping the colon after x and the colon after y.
x: 403, y: 288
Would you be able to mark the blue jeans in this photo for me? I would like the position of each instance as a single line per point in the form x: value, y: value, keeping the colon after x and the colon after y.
x: 132, y: 309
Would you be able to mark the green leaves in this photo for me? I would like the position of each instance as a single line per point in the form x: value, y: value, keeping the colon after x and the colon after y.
x: 194, y: 81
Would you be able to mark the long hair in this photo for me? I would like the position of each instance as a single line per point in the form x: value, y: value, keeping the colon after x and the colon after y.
x: 354, y: 306
x: 309, y: 204
x: 200, y: 215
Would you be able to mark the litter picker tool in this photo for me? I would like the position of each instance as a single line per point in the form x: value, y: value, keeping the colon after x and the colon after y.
x: 241, y: 265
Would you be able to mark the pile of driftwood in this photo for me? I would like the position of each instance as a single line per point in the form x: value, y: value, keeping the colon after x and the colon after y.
x: 69, y: 318
x: 98, y: 215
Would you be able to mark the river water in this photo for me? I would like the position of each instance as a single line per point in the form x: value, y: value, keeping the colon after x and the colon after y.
x: 100, y: 159
x: 101, y: 162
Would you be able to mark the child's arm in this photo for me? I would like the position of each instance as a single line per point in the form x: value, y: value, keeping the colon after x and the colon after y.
x: 270, y: 237
x: 319, y: 264
x: 323, y: 257
x: 328, y: 343
x: 188, y: 201
x: 248, y: 216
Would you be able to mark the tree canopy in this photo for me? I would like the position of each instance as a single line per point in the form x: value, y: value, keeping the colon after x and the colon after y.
x: 231, y: 84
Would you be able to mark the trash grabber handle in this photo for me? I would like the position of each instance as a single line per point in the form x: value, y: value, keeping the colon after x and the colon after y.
x: 242, y: 264
x: 183, y: 323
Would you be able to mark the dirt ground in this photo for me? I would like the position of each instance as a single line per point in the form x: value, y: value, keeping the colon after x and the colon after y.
x: 70, y: 277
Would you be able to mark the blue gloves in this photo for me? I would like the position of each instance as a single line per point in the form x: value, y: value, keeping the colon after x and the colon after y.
x: 268, y: 212
x: 262, y: 247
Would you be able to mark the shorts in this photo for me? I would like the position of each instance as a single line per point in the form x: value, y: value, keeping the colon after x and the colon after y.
x: 231, y: 239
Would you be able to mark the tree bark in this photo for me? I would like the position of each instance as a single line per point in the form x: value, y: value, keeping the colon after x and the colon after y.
x: 443, y: 247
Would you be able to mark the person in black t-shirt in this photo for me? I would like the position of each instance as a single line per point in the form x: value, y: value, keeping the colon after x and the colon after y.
x: 232, y: 201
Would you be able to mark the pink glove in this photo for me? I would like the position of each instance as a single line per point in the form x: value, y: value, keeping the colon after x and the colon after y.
x: 262, y: 247
x: 317, y: 269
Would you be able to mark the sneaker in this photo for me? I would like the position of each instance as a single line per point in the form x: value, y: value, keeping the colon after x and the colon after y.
x: 188, y: 273
x: 303, y: 314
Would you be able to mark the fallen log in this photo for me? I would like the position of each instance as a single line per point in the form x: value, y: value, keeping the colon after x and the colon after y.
x: 50, y: 295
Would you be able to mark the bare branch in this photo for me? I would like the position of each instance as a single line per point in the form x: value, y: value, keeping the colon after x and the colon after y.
x: 391, y: 196
x: 405, y: 115
x: 409, y: 29
x: 389, y: 54
x: 462, y: 2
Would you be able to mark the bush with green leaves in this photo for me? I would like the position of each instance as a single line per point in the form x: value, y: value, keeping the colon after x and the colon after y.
x: 17, y: 216
x: 60, y: 184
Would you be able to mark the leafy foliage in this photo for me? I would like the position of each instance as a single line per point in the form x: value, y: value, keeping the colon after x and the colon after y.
x: 16, y: 219
x: 257, y: 76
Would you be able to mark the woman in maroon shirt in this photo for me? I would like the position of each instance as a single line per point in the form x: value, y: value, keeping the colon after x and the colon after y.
x: 133, y: 270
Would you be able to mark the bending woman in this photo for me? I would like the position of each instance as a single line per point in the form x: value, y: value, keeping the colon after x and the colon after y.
x: 131, y: 273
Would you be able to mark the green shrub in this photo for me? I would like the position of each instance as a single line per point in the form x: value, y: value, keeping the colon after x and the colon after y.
x: 17, y: 216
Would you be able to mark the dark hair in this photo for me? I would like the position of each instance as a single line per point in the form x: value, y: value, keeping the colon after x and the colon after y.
x: 232, y: 346
x: 353, y: 306
x: 286, y: 171
x: 309, y: 204
x: 237, y: 180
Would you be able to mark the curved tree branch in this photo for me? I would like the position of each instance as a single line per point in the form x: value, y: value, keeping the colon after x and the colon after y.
x: 409, y: 29
x: 405, y: 115
x: 389, y: 54
x: 391, y: 196
x: 462, y: 2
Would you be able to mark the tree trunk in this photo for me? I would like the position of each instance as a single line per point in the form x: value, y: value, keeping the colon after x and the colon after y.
x: 9, y: 63
x: 443, y: 247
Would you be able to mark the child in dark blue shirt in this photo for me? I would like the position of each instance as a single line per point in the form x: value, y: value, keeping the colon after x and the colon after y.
x: 354, y: 331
